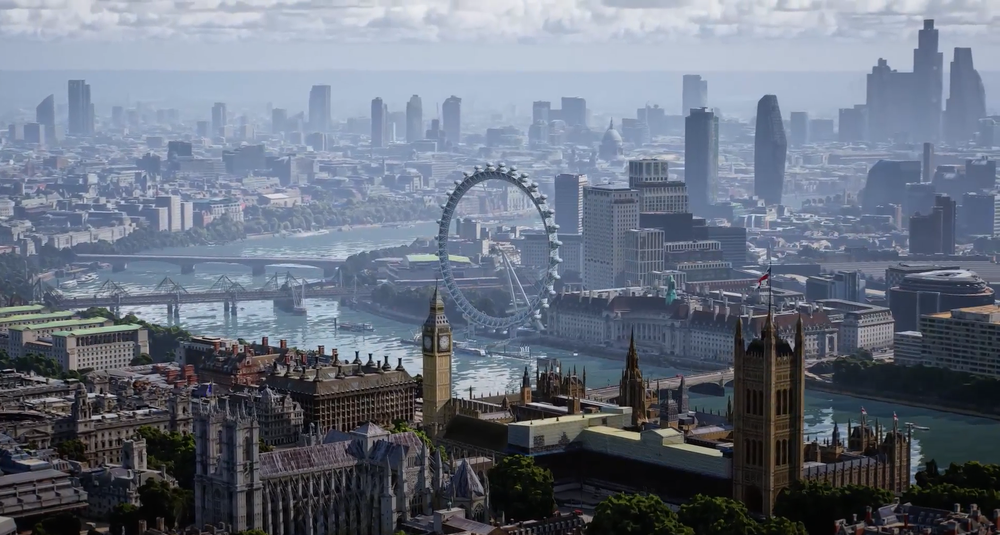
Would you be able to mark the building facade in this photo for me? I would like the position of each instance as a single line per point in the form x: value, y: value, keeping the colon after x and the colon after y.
x: 770, y: 152
x: 609, y: 213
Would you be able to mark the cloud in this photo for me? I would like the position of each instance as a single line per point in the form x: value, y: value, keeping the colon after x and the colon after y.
x: 523, y: 21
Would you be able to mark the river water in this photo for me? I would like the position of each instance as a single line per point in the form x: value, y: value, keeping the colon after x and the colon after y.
x: 951, y: 438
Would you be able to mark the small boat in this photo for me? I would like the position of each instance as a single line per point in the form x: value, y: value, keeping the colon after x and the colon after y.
x: 89, y: 277
x: 356, y: 327
x: 69, y: 283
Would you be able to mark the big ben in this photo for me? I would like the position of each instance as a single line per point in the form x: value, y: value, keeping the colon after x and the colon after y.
x: 436, y: 346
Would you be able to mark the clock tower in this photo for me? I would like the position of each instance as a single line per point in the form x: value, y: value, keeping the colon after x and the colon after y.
x: 436, y: 345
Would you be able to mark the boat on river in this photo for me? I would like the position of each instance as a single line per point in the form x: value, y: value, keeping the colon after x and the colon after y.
x: 355, y: 327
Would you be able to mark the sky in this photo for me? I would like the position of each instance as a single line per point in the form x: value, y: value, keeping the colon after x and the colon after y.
x: 487, y: 35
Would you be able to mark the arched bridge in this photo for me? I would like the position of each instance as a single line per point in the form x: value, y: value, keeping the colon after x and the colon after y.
x: 119, y: 262
x: 609, y: 393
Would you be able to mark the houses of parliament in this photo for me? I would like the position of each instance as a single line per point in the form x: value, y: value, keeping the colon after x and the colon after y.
x: 649, y: 440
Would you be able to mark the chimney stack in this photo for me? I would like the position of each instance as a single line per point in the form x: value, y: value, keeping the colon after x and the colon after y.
x: 321, y: 350
x: 284, y: 344
x: 263, y: 342
x: 142, y: 527
x: 160, y: 524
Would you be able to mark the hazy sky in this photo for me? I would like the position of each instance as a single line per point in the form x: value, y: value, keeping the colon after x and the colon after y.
x: 546, y: 35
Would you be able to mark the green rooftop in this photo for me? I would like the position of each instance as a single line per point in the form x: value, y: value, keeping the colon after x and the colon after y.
x: 40, y: 318
x: 8, y: 311
x: 99, y: 330
x: 414, y: 258
x: 58, y: 324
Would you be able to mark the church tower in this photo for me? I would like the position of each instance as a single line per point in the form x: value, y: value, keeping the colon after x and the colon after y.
x: 631, y: 390
x: 437, y: 365
x: 768, y: 417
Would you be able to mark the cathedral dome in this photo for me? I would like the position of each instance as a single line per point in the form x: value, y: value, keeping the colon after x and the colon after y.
x: 611, y: 144
x: 611, y: 136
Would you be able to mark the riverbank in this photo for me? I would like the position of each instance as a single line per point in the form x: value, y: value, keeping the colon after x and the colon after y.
x: 823, y: 386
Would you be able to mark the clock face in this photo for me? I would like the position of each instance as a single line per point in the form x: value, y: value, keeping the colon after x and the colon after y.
x: 444, y: 342
x: 428, y: 342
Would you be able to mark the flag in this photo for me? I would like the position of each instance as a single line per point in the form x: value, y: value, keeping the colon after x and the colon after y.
x: 764, y: 277
x: 894, y: 417
x: 864, y: 412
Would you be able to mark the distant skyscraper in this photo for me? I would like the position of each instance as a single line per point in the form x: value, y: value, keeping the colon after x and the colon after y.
x: 279, y: 120
x: 694, y: 94
x: 853, y: 124
x: 414, y: 119
x: 380, y: 124
x: 45, y: 115
x: 609, y: 213
x: 540, y: 111
x: 799, y: 128
x: 319, y: 108
x: 966, y: 99
x: 770, y: 151
x: 451, y: 119
x: 219, y: 118
x: 569, y: 202
x: 928, y: 73
x: 81, y: 110
x: 574, y: 111
x: 701, y: 159
x: 657, y: 193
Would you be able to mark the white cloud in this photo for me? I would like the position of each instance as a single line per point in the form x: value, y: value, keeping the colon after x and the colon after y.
x: 525, y: 21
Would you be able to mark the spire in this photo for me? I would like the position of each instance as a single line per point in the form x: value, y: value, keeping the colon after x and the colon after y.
x: 632, y: 360
x: 526, y: 379
x: 836, y: 434
x: 436, y: 316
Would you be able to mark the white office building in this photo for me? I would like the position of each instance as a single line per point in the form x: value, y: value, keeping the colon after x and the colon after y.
x: 656, y: 191
x: 609, y: 213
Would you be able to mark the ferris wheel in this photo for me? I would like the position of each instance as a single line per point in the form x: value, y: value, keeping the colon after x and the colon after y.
x: 526, y: 305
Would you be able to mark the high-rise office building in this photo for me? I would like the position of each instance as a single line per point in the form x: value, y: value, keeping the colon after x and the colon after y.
x: 45, y: 115
x: 853, y: 124
x: 928, y: 74
x: 934, y: 233
x: 701, y: 159
x: 609, y: 213
x: 81, y: 110
x: 173, y: 205
x: 380, y: 124
x: 568, y: 203
x: 657, y: 193
x: 319, y: 108
x: 966, y: 100
x: 770, y: 152
x: 451, y: 119
x: 574, y: 111
x: 694, y: 94
x: 886, y: 183
x: 219, y: 118
x: 279, y: 120
x: 798, y: 128
x: 414, y: 119
x: 541, y: 112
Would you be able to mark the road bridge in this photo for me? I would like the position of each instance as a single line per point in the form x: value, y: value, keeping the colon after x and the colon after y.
x: 610, y: 393
x: 119, y: 262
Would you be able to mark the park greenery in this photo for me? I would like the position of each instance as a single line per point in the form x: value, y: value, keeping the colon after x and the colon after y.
x: 58, y: 524
x: 163, y: 341
x: 360, y: 267
x: 969, y: 483
x: 922, y: 384
x: 73, y: 450
x: 39, y: 365
x: 325, y: 214
x: 414, y: 301
x: 520, y: 490
x: 159, y: 499
x: 819, y: 505
x: 401, y: 426
x: 221, y: 230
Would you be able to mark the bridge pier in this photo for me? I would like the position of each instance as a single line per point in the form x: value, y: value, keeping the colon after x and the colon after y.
x: 118, y: 267
x: 173, y: 310
x: 229, y: 308
x: 259, y: 271
x: 187, y: 269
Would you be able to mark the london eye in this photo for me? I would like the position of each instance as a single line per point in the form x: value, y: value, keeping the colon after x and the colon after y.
x: 526, y: 304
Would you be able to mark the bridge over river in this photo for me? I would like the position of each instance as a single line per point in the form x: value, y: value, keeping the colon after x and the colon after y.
x: 119, y: 262
x: 610, y: 393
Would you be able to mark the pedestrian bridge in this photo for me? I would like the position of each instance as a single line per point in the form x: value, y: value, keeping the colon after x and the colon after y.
x: 119, y: 262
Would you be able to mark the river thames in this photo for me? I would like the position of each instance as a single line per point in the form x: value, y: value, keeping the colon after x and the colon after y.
x: 950, y: 438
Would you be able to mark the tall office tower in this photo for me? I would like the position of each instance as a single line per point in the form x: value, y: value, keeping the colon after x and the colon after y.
x: 451, y: 119
x: 966, y: 100
x: 946, y: 205
x: 886, y: 183
x: 201, y: 128
x: 319, y: 108
x: 279, y: 120
x: 927, y: 163
x: 380, y: 124
x: 694, y: 94
x: 569, y: 202
x: 541, y: 112
x: 853, y: 124
x: 414, y: 119
x: 928, y: 74
x: 768, y: 415
x: 701, y: 159
x: 45, y: 115
x: 574, y: 111
x: 609, y: 213
x: 117, y: 116
x: 770, y: 151
x: 173, y: 205
x: 219, y: 119
x: 657, y: 193
x: 81, y: 110
x: 798, y: 128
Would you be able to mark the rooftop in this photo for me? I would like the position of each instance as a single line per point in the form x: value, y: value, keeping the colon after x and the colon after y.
x: 20, y: 309
x: 65, y: 314
x: 99, y: 330
x: 56, y: 324
x: 412, y: 258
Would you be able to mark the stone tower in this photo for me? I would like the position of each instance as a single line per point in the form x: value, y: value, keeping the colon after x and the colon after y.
x: 437, y: 365
x: 631, y: 390
x: 768, y: 418
x: 227, y: 484
x: 134, y: 454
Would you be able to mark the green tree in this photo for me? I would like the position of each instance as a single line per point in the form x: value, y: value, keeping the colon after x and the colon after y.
x: 161, y: 500
x: 74, y: 450
x: 401, y: 426
x: 819, y: 505
x: 635, y: 514
x: 142, y: 360
x: 123, y: 516
x: 172, y: 451
x: 716, y: 516
x: 777, y: 525
x: 264, y: 446
x: 521, y: 490
x: 58, y: 524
